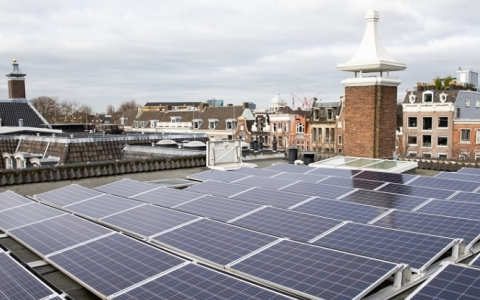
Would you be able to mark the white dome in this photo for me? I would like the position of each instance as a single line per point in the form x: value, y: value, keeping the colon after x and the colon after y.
x: 278, y: 100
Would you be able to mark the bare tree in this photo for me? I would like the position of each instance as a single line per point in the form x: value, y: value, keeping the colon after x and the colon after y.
x: 47, y: 106
x: 85, y: 110
x: 68, y: 109
x: 127, y: 108
x: 110, y: 110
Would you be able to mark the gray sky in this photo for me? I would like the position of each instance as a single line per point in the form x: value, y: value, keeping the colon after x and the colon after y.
x: 110, y: 51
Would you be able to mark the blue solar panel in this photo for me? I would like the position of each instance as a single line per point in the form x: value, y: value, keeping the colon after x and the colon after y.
x: 301, y: 177
x: 471, y: 171
x: 386, y: 200
x: 341, y: 210
x: 289, y: 168
x: 469, y: 230
x: 67, y: 195
x: 416, y: 191
x: 9, y: 199
x: 445, y: 184
x: 58, y: 233
x: 113, y: 263
x: 218, y: 208
x: 333, y: 172
x: 148, y: 220
x: 256, y: 172
x: 196, y: 282
x: 450, y: 282
x: 102, y: 206
x: 353, y: 183
x: 126, y: 188
x: 385, y: 177
x: 452, y: 209
x: 26, y: 214
x: 466, y: 197
x: 213, y: 241
x: 17, y: 283
x: 217, y: 188
x: 317, y: 190
x: 315, y: 271
x: 224, y: 176
x: 264, y: 182
x: 286, y: 223
x: 475, y: 262
x: 166, y: 197
x: 271, y: 197
x: 415, y: 249
x: 458, y: 176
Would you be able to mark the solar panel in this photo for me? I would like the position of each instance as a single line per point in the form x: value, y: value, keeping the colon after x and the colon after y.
x: 416, y: 191
x: 218, y: 208
x: 264, y: 182
x: 217, y: 188
x: 466, y: 197
x: 17, y: 283
x: 286, y: 223
x: 196, y: 282
x: 475, y: 262
x: 450, y: 282
x: 386, y: 200
x: 148, y: 220
x: 256, y: 172
x: 469, y: 230
x: 385, y: 177
x: 166, y: 197
x: 289, y: 168
x: 333, y: 172
x: 26, y: 214
x: 224, y: 176
x: 353, y: 183
x: 58, y: 233
x: 458, y: 176
x: 341, y: 210
x: 445, y: 184
x: 271, y: 197
x: 113, y: 263
x: 415, y: 249
x: 299, y: 176
x: 67, y: 195
x: 471, y: 171
x: 102, y: 206
x: 317, y: 190
x: 452, y: 209
x: 126, y: 187
x: 9, y: 199
x: 213, y: 241
x: 315, y: 271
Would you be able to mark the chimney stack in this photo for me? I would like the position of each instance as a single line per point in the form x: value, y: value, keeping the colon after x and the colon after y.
x: 16, y: 82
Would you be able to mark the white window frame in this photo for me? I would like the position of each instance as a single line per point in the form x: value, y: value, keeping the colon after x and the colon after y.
x: 8, y: 163
x: 300, y: 127
x: 462, y: 141
x: 427, y: 153
x: 442, y: 136
x: 416, y: 122
x: 438, y: 122
x: 444, y: 154
x: 424, y: 98
x: 467, y: 102
x: 423, y: 124
x: 212, y: 123
x: 175, y: 119
x: 477, y: 136
x: 423, y: 143
x: 231, y: 124
x: 477, y: 103
x: 196, y: 123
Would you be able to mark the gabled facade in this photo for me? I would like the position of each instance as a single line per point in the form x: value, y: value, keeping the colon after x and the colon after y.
x: 323, y: 125
x: 466, y: 126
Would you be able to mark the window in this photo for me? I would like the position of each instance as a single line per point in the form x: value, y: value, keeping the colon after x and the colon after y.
x: 412, y: 121
x: 427, y: 123
x: 314, y: 134
x: 467, y: 102
x: 329, y: 114
x: 274, y: 126
x: 327, y: 135
x: 231, y: 124
x: 427, y: 154
x: 443, y: 122
x: 412, y: 154
x: 285, y: 127
x: 464, y: 135
x: 442, y: 141
x: 175, y: 119
x: 412, y: 139
x: 8, y: 163
x: 339, y: 139
x: 316, y: 114
x: 477, y: 136
x: 212, y: 123
x: 153, y: 123
x: 442, y: 156
x: 477, y: 104
x: 458, y: 113
x: 427, y: 97
x: 443, y: 97
x: 427, y: 141
x: 196, y: 123
x: 300, y: 127
x: 477, y: 156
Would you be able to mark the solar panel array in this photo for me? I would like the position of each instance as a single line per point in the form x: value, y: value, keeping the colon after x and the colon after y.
x: 271, y: 197
x: 471, y: 171
x: 452, y: 209
x: 418, y: 191
x: 10, y: 199
x: 102, y: 206
x: 217, y: 188
x: 445, y: 184
x: 166, y: 197
x: 126, y: 188
x: 466, y: 197
x: 67, y: 195
x: 26, y: 214
x: 386, y: 200
x: 317, y: 190
x: 458, y: 176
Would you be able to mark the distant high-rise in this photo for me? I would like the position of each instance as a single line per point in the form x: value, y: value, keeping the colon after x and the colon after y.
x: 370, y: 101
x: 16, y: 82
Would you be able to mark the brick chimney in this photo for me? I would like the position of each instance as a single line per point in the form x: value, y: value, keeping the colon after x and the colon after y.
x: 16, y: 82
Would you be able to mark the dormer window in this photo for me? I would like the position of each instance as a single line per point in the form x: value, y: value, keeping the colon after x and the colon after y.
x: 231, y: 123
x: 443, y: 97
x: 153, y: 123
x: 412, y: 98
x: 427, y: 97
x: 329, y: 114
x: 175, y: 119
x: 212, y: 123
x: 197, y: 123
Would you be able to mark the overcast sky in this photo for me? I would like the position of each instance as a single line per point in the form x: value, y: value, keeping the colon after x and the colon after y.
x: 110, y: 51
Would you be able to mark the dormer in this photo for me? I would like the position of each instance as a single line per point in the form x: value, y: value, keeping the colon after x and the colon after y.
x: 212, y: 123
x: 175, y: 119
x: 231, y: 123
x: 443, y: 97
x: 196, y: 123
x: 427, y: 97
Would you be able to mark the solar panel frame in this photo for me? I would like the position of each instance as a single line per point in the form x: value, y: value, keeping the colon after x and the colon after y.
x: 113, y: 263
x: 452, y: 209
x: 418, y: 191
x: 417, y: 250
x: 311, y: 271
x: 451, y: 281
x: 126, y: 187
x: 445, y: 184
x: 102, y: 206
x: 287, y: 223
x: 475, y: 262
x: 193, y: 281
x: 18, y: 283
x: 217, y: 188
x: 214, y: 242
x: 341, y: 210
x: 26, y: 214
x: 218, y: 208
x: 148, y: 220
x: 58, y: 233
x: 271, y: 197
x: 317, y: 190
x: 9, y: 199
x: 217, y: 175
x: 166, y: 197
x: 385, y: 200
x: 67, y: 195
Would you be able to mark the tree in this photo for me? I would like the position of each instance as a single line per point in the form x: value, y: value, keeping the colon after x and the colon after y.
x: 47, y: 106
x: 127, y: 108
x: 68, y: 109
x: 110, y: 110
x: 85, y: 110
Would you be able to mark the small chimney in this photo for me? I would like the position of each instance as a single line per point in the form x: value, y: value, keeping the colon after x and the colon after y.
x: 20, y: 123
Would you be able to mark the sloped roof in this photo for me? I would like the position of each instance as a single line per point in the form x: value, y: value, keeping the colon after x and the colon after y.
x: 11, y: 111
x: 451, y: 96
